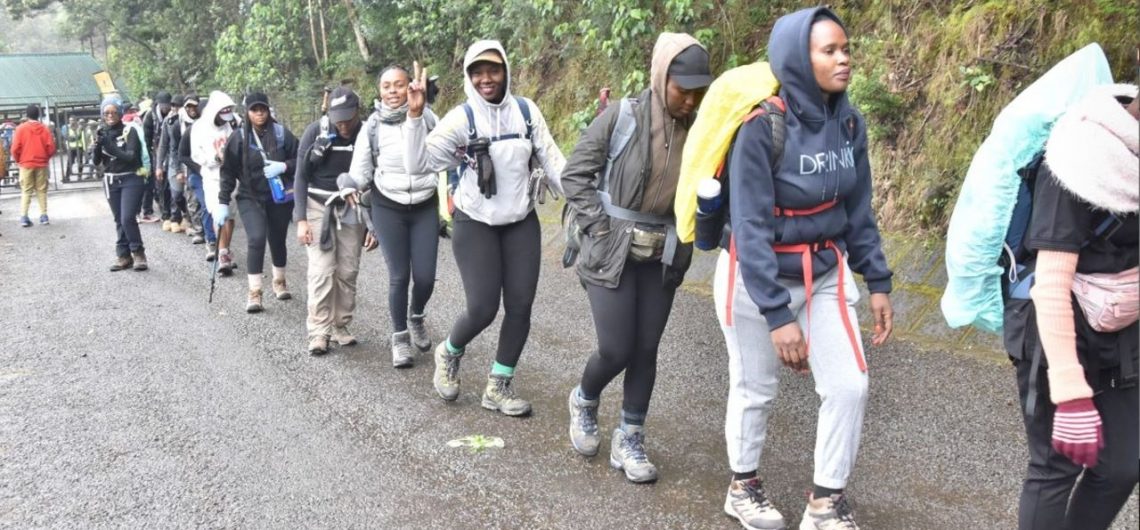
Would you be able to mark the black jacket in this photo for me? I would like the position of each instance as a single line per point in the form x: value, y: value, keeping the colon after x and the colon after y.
x: 116, y: 151
x: 243, y: 162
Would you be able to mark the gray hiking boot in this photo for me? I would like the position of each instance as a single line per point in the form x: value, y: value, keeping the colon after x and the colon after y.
x: 831, y: 513
x: 446, y: 377
x: 747, y: 502
x: 402, y: 350
x: 627, y: 453
x: 498, y: 395
x: 584, y: 424
x: 419, y: 332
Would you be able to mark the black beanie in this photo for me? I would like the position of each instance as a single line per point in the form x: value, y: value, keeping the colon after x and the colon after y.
x: 33, y: 112
x: 162, y: 97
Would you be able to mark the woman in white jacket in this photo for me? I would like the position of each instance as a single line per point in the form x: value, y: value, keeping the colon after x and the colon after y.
x: 496, y: 237
x: 208, y: 138
x: 404, y: 212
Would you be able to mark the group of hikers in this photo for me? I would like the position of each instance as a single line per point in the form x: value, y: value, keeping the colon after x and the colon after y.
x: 791, y: 236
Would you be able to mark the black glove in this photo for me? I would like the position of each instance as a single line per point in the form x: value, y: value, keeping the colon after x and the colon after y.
x: 320, y: 145
x: 100, y: 135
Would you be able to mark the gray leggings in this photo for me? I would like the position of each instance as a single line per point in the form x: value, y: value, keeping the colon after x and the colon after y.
x: 409, y: 238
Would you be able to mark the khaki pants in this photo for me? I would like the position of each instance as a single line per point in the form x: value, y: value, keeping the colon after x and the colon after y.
x: 332, y: 274
x: 33, y: 179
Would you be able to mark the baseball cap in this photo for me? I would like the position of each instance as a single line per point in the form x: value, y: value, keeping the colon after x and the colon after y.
x: 489, y: 56
x: 344, y: 104
x: 254, y: 99
x: 690, y: 68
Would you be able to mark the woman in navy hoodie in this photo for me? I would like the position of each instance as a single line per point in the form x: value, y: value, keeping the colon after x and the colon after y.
x: 785, y: 291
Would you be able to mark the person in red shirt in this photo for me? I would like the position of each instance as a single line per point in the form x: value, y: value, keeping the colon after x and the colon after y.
x: 33, y: 146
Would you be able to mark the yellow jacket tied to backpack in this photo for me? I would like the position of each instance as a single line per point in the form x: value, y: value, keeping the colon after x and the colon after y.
x: 729, y: 99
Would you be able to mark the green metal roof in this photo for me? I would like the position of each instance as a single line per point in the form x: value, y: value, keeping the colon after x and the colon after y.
x: 59, y: 79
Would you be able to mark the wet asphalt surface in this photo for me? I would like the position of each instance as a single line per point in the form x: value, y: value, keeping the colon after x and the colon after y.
x: 127, y: 401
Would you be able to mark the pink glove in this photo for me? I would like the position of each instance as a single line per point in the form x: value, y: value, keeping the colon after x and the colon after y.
x: 1077, y: 431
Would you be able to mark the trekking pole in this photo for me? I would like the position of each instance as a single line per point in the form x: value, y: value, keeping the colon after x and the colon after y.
x: 213, y: 278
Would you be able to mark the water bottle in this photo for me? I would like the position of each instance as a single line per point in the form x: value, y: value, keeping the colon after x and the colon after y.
x: 710, y: 214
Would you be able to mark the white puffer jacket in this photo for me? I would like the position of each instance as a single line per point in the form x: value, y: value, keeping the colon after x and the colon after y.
x: 387, y: 170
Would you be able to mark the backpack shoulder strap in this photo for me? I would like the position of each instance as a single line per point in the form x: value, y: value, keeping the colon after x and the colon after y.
x: 524, y: 107
x: 279, y: 132
x: 471, y: 134
x: 623, y: 131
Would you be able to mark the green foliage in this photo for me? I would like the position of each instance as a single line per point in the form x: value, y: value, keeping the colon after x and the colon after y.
x: 976, y: 77
x: 929, y: 76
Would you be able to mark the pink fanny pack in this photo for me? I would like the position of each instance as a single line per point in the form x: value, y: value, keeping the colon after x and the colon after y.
x: 1110, y: 302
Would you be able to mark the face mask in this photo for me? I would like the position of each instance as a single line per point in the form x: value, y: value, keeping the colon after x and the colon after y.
x: 226, y: 116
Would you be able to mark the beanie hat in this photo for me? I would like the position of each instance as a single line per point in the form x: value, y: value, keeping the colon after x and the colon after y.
x: 162, y: 97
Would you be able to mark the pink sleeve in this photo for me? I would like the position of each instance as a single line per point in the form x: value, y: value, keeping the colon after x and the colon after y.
x: 1056, y: 325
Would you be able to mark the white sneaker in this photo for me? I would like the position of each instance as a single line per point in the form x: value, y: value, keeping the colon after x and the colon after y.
x: 747, y: 502
x: 831, y: 513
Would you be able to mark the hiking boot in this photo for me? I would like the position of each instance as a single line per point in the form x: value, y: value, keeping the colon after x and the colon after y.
x: 318, y: 345
x: 253, y: 301
x: 342, y: 336
x: 166, y: 225
x: 282, y: 293
x: 446, y: 376
x: 584, y: 424
x: 402, y: 350
x: 148, y: 218
x: 197, y: 239
x: 831, y: 513
x: 122, y: 263
x: 211, y: 252
x: 44, y: 219
x: 747, y: 502
x: 225, y: 262
x: 419, y: 332
x: 500, y: 396
x: 627, y: 453
x: 25, y: 222
x: 140, y: 260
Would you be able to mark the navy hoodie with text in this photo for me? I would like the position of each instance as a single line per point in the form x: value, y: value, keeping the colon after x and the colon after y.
x: 825, y: 158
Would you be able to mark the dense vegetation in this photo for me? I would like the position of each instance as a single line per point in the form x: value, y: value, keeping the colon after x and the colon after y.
x: 930, y: 74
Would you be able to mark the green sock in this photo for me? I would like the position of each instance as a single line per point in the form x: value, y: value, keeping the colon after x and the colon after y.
x: 452, y: 349
x: 498, y: 369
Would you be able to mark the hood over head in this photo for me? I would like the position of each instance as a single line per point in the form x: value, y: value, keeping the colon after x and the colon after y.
x: 667, y: 48
x: 472, y: 57
x: 218, y: 100
x: 789, y: 53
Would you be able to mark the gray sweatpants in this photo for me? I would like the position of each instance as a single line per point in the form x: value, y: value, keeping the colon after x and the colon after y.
x: 754, y: 369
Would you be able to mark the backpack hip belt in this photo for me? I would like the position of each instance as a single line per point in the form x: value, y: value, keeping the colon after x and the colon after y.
x: 806, y: 252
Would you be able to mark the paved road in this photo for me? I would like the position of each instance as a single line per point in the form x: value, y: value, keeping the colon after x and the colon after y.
x: 127, y: 401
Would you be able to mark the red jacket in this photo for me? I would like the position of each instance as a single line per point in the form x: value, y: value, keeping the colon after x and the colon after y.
x: 32, y: 145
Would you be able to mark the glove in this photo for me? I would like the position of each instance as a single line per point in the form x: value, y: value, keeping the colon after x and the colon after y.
x: 1078, y: 432
x: 222, y: 214
x: 274, y: 168
x: 320, y: 144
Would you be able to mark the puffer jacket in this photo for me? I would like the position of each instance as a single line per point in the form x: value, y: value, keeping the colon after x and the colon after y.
x: 435, y: 152
x: 602, y: 257
x: 387, y: 170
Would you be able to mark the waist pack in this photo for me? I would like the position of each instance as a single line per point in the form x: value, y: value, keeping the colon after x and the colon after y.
x: 1110, y: 302
x: 647, y: 242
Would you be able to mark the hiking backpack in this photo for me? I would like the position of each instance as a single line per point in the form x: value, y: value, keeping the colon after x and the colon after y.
x: 1018, y: 275
x: 143, y: 171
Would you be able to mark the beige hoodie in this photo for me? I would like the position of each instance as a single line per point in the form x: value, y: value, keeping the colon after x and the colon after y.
x: 667, y: 135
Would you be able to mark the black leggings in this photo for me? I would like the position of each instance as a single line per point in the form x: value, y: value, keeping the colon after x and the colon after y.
x: 1101, y: 491
x: 629, y: 321
x: 264, y: 221
x: 124, y: 195
x: 409, y: 238
x: 497, y: 262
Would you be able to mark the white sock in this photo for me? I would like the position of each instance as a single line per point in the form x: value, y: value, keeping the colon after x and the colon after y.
x: 278, y: 273
x: 254, y: 281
